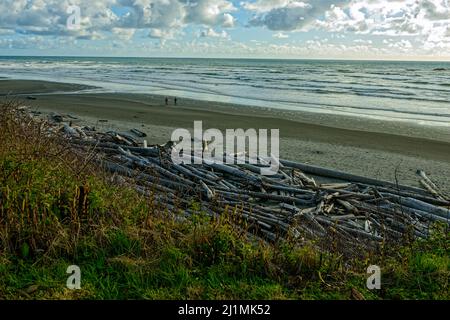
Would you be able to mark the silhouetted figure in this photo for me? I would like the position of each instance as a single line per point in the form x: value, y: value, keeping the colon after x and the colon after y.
x: 175, y: 101
x: 167, y: 101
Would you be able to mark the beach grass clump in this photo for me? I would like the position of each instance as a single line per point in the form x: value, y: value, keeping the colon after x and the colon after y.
x: 58, y: 209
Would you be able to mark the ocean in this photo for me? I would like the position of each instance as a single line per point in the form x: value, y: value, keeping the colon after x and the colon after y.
x: 404, y: 91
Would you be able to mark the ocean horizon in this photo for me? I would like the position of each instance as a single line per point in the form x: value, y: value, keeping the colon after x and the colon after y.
x: 413, y: 91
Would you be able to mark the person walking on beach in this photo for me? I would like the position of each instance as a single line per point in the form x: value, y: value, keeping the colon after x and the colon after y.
x: 167, y: 101
x: 175, y: 100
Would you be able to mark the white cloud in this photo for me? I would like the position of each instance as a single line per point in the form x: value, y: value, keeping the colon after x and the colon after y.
x: 210, y: 12
x: 389, y: 17
x: 280, y: 35
x: 211, y: 33
x: 427, y: 20
x: 160, y: 17
x: 392, y: 17
x: 124, y: 34
x: 288, y: 15
x: 362, y: 41
x: 374, y: 26
x: 268, y: 5
x: 49, y: 17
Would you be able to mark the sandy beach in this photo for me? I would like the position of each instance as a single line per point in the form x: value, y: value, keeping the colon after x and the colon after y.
x: 380, y: 149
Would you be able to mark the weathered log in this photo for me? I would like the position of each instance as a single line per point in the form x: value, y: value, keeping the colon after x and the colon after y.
x: 319, y: 171
x: 423, y: 206
x: 188, y: 173
x: 427, y: 180
x: 305, y: 194
x: 209, y: 192
x: 237, y: 173
x: 424, y: 198
x: 430, y: 189
x: 138, y: 133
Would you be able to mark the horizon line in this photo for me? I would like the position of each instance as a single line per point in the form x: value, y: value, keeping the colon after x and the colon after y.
x: 231, y: 58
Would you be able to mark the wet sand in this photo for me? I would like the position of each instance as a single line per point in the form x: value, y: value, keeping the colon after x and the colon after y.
x: 380, y: 149
x: 15, y: 87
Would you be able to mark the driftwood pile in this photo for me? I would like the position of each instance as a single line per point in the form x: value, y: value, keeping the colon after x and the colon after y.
x: 353, y: 210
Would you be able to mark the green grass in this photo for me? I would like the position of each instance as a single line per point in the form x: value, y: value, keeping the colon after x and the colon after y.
x: 56, y: 211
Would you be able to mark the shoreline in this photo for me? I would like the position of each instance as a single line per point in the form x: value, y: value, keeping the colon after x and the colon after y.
x: 378, y: 149
x: 344, y: 120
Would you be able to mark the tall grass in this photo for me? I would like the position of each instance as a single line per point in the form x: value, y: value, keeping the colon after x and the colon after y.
x: 58, y: 209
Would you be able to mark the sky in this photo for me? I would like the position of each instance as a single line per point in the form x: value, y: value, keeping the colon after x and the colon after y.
x: 308, y: 29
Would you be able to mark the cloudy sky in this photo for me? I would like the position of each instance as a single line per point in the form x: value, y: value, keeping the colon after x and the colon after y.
x: 347, y: 29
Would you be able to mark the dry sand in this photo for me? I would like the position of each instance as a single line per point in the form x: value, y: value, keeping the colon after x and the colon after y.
x: 373, y: 148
